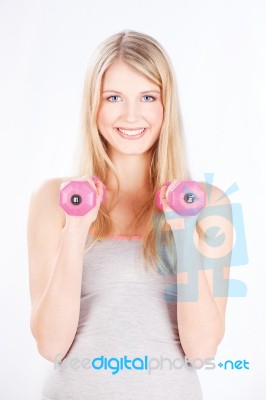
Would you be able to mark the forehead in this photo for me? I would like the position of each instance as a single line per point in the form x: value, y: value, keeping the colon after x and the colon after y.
x: 121, y: 75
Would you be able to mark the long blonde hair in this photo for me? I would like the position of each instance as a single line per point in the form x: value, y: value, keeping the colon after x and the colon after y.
x: 168, y: 158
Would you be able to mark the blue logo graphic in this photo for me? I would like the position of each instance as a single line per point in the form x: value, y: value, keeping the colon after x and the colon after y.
x: 239, y: 364
x: 145, y: 363
x: 215, y: 253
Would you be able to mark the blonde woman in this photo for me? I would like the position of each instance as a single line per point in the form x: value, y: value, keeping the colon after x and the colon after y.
x: 105, y: 308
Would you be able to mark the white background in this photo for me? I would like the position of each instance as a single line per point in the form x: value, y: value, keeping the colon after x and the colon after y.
x: 218, y: 52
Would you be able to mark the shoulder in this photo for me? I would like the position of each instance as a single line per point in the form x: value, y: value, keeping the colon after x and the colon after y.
x: 214, y: 195
x: 45, y: 196
x: 217, y: 211
x: 215, y: 216
x: 50, y: 186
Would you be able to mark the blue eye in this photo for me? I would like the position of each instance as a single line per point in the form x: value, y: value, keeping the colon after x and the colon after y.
x: 110, y: 98
x: 150, y: 97
x: 149, y: 101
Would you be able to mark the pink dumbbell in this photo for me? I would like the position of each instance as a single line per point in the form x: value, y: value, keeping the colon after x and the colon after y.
x: 79, y: 197
x: 186, y: 198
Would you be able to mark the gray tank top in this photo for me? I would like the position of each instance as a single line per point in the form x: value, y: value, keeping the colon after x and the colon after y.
x: 127, y: 343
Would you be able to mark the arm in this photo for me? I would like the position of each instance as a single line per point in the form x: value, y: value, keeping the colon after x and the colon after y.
x: 55, y: 271
x: 205, y: 265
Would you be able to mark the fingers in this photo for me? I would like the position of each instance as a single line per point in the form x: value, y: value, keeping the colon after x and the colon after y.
x: 88, y: 178
x: 100, y: 190
x: 63, y: 185
x: 164, y: 194
x: 84, y: 177
x: 171, y: 186
x: 163, y: 198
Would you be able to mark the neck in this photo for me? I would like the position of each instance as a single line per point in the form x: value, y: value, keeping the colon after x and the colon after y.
x: 132, y: 171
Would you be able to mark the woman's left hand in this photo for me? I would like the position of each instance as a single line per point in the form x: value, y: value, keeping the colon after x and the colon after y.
x: 175, y: 220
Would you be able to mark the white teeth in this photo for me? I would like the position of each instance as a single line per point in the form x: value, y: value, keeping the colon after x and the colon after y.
x: 131, y: 133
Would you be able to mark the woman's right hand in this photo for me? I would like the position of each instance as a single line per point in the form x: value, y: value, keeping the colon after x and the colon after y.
x: 87, y: 219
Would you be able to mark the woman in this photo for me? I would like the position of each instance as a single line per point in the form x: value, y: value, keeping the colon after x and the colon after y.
x: 95, y: 296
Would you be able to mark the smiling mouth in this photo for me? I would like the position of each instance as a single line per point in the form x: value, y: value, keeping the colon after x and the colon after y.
x: 131, y: 132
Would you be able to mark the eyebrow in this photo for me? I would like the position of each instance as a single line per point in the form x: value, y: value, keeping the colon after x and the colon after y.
x: 146, y: 91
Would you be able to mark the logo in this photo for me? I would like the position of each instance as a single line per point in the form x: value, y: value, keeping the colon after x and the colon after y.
x: 223, y: 245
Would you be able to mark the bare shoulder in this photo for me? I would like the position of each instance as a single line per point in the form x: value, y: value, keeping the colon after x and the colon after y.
x: 214, y: 194
x: 45, y: 198
x: 51, y: 184
x: 220, y: 216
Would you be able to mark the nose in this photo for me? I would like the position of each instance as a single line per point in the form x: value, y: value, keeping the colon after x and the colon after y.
x: 131, y: 111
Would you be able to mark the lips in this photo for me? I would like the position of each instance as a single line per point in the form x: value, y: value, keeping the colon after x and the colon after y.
x: 130, y: 129
x: 131, y: 136
x: 135, y: 131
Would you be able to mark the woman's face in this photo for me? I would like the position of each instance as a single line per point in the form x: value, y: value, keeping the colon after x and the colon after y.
x: 129, y: 102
